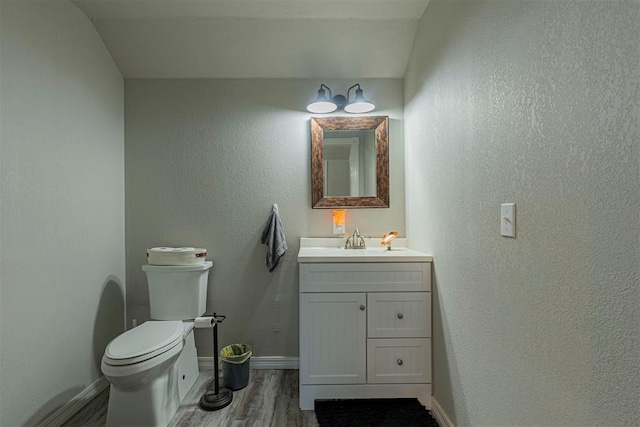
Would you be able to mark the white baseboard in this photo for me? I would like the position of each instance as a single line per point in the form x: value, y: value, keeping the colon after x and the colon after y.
x: 439, y: 414
x: 70, y: 408
x: 260, y: 362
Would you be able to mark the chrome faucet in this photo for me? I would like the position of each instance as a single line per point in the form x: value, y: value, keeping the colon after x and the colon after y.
x: 355, y: 241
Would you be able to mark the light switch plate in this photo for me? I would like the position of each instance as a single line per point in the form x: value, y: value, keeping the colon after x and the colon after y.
x: 508, y: 219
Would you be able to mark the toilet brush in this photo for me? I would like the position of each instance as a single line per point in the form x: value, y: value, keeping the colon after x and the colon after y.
x: 218, y: 398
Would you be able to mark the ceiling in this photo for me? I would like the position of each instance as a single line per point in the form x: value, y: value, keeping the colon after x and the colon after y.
x: 257, y: 38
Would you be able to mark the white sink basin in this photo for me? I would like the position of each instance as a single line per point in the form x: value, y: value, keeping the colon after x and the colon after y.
x: 327, y: 250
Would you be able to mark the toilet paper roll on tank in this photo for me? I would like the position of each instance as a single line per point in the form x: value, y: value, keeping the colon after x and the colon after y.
x: 176, y: 256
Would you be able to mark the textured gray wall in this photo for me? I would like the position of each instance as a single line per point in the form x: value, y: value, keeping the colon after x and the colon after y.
x: 62, y: 212
x: 535, y: 103
x: 205, y: 161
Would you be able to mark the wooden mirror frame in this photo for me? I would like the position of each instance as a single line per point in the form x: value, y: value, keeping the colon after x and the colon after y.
x: 381, y: 126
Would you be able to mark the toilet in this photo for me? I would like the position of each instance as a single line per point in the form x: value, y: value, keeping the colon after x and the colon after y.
x: 153, y: 366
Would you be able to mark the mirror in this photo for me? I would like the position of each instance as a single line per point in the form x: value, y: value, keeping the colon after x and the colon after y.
x: 350, y: 162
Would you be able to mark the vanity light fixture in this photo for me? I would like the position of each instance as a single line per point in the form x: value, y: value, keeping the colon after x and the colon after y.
x: 323, y: 104
x: 359, y: 104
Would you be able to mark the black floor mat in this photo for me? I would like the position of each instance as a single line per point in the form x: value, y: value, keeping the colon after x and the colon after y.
x: 373, y: 412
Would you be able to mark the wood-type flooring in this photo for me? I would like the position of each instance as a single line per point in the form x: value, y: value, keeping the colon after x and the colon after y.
x: 269, y: 400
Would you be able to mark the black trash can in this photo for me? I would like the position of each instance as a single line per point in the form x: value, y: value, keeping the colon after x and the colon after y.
x: 236, y: 360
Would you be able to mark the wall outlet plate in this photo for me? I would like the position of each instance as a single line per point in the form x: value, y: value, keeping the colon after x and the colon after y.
x: 338, y: 229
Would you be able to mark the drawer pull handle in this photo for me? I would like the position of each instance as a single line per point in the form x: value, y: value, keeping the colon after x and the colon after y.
x: 362, y: 307
x: 400, y: 315
x: 399, y: 362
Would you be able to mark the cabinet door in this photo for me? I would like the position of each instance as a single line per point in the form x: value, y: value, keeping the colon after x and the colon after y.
x: 333, y: 338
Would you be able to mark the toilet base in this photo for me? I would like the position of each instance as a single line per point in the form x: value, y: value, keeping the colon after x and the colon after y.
x: 156, y: 402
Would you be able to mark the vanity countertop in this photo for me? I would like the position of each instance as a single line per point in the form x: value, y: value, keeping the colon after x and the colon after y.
x: 328, y: 250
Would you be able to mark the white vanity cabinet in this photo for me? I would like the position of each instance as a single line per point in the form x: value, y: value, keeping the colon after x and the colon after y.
x: 365, y: 330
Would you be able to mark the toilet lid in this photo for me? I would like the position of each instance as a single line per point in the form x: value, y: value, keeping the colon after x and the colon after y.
x: 144, y: 341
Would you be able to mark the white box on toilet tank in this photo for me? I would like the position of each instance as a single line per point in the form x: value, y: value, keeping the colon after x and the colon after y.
x: 177, y: 292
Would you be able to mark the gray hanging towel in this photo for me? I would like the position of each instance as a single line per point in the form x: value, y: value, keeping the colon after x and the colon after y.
x: 273, y: 237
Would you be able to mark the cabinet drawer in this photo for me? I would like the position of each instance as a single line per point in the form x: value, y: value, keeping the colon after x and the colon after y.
x: 399, y: 315
x: 365, y: 277
x: 398, y: 360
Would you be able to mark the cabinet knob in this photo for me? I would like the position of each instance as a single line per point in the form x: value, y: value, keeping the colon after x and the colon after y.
x: 362, y: 307
x: 399, y: 362
x: 400, y: 315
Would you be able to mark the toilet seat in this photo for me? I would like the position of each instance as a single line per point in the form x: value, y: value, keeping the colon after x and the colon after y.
x: 144, y: 342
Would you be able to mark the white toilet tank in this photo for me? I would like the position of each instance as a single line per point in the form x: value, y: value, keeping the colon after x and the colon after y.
x: 177, y: 292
